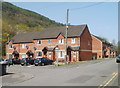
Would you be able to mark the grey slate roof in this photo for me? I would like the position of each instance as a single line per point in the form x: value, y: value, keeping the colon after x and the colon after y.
x: 102, y: 40
x: 73, y: 31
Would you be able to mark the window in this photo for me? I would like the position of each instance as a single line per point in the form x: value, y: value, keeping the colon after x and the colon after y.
x: 61, y: 54
x: 49, y: 41
x: 61, y: 41
x: 38, y: 54
x: 74, y: 53
x: 23, y: 55
x: 23, y: 45
x: 38, y: 41
x: 9, y: 56
x: 73, y: 40
x: 10, y: 45
x: 49, y: 54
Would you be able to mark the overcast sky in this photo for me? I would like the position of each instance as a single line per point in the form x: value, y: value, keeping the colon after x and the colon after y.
x: 101, y: 18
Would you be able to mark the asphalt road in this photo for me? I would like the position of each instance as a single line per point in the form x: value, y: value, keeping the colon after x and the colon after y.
x: 99, y: 73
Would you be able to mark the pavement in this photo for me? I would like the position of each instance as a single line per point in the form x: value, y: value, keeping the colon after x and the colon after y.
x: 13, y: 78
x: 89, y: 73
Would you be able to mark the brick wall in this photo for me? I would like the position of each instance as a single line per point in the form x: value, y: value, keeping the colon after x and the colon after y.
x: 84, y: 42
x: 96, y: 47
x: 86, y: 45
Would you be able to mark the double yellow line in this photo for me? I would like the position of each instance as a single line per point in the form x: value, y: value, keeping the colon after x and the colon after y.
x: 108, y: 82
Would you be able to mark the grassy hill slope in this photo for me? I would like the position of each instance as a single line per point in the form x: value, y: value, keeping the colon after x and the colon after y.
x: 17, y: 20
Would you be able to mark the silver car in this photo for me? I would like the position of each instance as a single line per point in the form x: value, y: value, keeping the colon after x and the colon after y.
x: 3, y: 61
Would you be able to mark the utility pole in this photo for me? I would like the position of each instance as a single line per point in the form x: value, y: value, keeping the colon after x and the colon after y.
x: 66, y: 36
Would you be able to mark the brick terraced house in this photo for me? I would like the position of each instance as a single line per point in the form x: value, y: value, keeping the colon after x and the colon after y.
x: 102, y: 48
x: 51, y: 43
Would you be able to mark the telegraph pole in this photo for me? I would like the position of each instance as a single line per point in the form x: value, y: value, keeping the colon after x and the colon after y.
x: 66, y: 36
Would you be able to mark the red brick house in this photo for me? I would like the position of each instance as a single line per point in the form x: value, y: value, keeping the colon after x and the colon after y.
x: 102, y: 48
x: 51, y: 43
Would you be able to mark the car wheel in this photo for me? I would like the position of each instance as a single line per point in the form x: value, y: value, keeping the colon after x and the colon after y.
x: 52, y: 63
x: 22, y: 64
x: 36, y: 65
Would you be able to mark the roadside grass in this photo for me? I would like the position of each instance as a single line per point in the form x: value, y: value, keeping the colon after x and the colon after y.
x: 72, y: 63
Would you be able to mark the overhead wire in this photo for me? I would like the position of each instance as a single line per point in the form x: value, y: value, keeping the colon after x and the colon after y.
x: 86, y: 6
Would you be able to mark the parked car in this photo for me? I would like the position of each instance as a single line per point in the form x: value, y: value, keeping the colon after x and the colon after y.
x: 4, y: 61
x: 118, y: 59
x: 31, y: 61
x: 16, y: 61
x: 43, y: 61
x: 10, y: 61
x: 27, y: 61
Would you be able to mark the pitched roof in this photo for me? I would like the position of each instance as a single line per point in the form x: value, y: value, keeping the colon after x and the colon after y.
x: 102, y: 40
x: 73, y: 30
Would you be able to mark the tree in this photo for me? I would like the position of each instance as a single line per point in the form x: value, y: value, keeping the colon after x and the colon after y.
x: 115, y: 46
x: 103, y: 38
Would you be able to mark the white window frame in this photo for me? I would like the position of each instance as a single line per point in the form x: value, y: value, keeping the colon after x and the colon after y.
x: 73, y: 40
x: 74, y: 53
x: 49, y: 54
x: 61, y: 54
x: 39, y: 42
x: 24, y: 55
x: 9, y: 56
x: 9, y: 46
x: 23, y: 45
x: 61, y: 41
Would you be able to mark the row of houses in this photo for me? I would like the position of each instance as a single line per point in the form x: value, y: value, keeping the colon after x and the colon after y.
x: 50, y: 43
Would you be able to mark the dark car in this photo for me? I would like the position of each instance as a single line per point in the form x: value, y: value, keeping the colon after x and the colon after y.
x: 43, y: 61
x: 16, y: 61
x: 31, y: 61
x: 118, y: 59
x: 27, y: 61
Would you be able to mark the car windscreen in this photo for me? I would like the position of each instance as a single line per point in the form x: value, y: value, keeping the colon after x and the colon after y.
x: 118, y: 56
x: 24, y: 59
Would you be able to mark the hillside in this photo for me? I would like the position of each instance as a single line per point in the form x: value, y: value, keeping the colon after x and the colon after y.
x: 17, y: 20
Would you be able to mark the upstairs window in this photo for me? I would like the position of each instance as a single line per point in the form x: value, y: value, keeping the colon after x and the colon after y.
x: 61, y: 41
x: 10, y: 46
x: 23, y: 45
x: 38, y: 41
x: 49, y: 41
x: 73, y: 40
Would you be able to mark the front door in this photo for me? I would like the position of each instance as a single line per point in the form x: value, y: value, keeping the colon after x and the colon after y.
x: 69, y: 56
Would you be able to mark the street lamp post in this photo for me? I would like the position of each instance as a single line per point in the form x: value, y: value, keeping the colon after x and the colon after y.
x: 66, y: 36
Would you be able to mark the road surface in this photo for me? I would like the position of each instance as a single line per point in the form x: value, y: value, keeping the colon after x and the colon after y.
x: 99, y: 73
